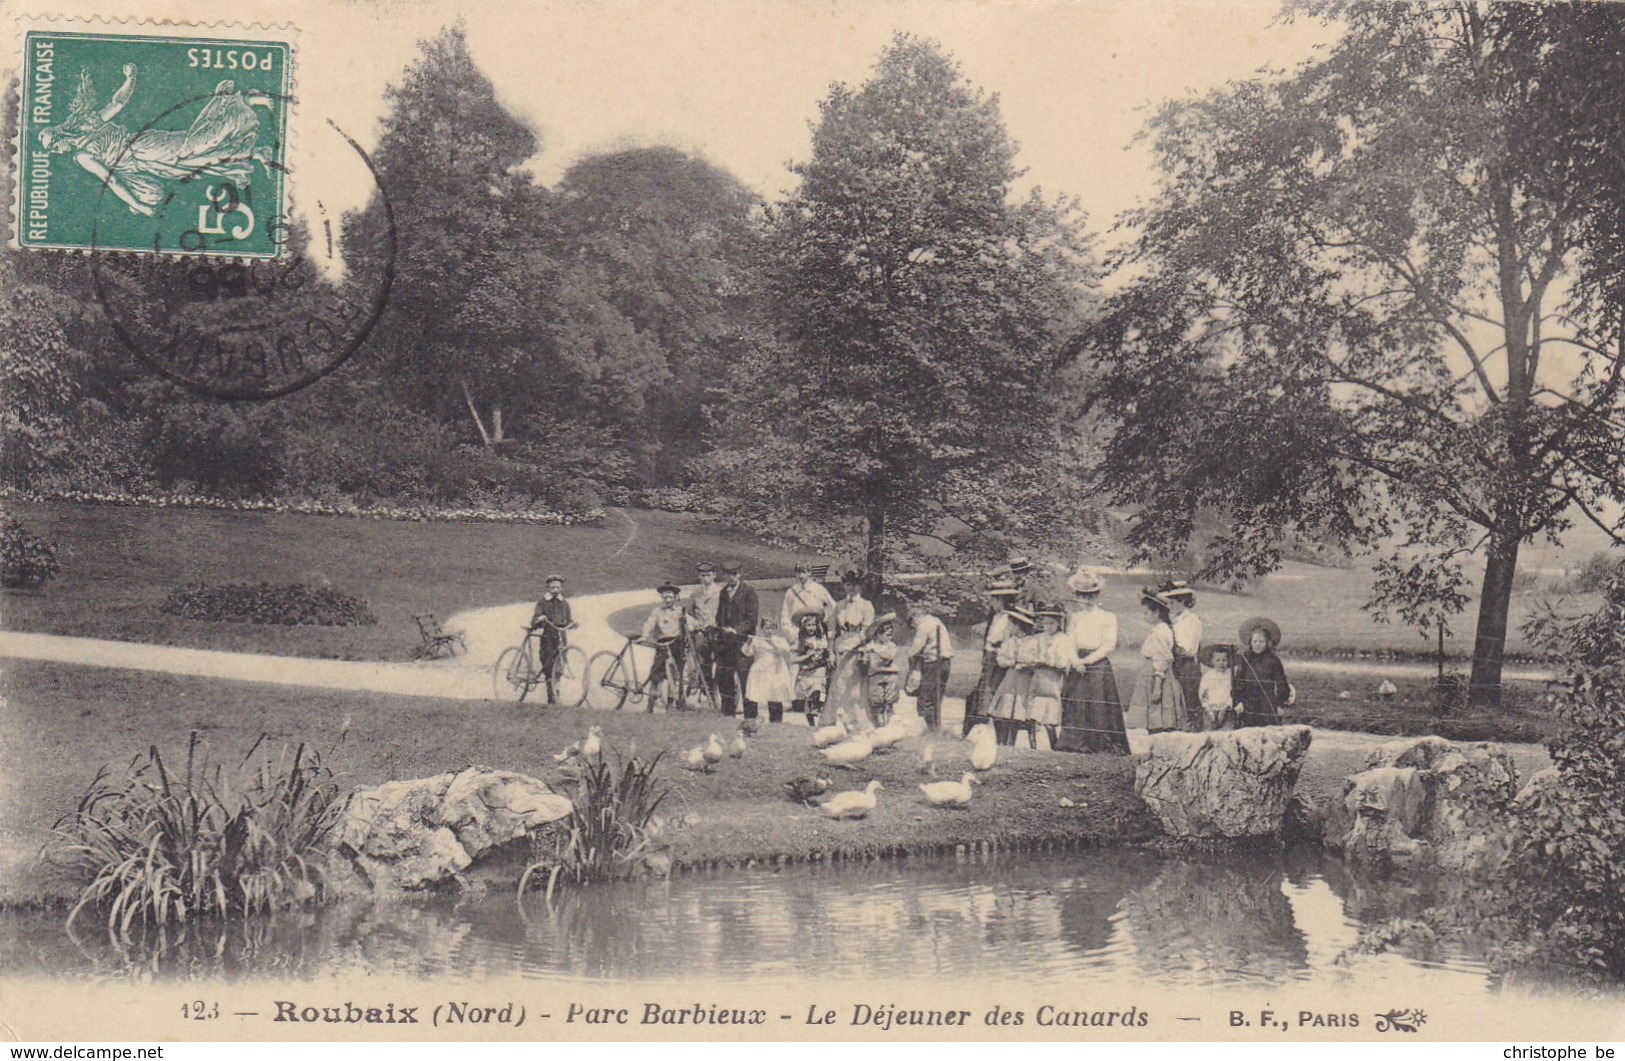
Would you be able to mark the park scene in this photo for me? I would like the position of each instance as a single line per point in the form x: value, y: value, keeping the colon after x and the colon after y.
x: 905, y: 567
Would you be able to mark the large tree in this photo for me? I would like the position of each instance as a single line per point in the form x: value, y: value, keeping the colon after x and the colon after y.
x: 1351, y: 317
x: 922, y: 308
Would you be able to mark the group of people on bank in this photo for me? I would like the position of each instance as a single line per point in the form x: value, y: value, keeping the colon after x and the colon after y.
x: 1045, y: 663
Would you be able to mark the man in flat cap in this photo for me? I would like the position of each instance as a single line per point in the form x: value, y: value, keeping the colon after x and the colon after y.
x: 702, y: 618
x: 737, y: 612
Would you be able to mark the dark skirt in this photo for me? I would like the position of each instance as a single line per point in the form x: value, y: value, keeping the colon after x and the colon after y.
x: 1188, y: 673
x: 981, y: 697
x: 1092, y: 712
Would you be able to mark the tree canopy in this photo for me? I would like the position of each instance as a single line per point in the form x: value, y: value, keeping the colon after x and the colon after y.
x: 1355, y: 317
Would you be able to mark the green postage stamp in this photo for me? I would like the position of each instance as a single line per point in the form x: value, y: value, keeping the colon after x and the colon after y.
x: 166, y: 144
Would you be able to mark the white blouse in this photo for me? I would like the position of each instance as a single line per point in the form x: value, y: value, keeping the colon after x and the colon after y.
x: 1093, y: 631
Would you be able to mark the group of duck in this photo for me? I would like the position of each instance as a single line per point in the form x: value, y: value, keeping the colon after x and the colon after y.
x: 842, y: 747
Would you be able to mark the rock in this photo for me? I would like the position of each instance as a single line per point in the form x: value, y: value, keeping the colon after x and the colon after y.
x: 1229, y: 784
x: 1427, y: 800
x: 414, y: 834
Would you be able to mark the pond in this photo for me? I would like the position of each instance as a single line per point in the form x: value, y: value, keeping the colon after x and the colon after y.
x: 1113, y: 916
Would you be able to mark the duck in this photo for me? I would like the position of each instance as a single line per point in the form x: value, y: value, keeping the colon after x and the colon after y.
x: 807, y: 789
x: 593, y: 743
x: 928, y: 759
x: 833, y: 733
x: 888, y: 735
x: 850, y: 751
x: 694, y: 758
x: 736, y: 747
x: 984, y: 750
x: 950, y: 793
x: 714, y: 751
x: 851, y: 804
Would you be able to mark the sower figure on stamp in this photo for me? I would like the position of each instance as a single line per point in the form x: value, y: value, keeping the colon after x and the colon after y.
x: 550, y: 619
x: 737, y: 612
x: 702, y: 618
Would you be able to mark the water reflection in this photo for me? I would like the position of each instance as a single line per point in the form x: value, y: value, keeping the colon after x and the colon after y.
x: 1115, y: 916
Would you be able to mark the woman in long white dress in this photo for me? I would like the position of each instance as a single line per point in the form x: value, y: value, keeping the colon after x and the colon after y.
x: 847, y: 686
x: 1158, y: 690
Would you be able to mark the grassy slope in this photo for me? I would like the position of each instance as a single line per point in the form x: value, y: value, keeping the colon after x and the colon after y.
x: 118, y: 564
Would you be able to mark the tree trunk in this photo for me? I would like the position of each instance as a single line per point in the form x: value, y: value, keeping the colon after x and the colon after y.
x: 875, y: 547
x: 1489, y: 645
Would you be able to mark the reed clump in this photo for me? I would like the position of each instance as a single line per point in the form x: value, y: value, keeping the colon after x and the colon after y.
x: 611, y: 825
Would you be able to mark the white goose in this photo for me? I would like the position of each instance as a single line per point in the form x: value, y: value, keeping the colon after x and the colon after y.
x: 833, y: 733
x: 851, y: 804
x: 848, y: 752
x: 950, y: 793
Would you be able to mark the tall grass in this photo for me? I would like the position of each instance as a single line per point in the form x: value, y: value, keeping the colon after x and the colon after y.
x: 609, y: 826
x: 156, y: 848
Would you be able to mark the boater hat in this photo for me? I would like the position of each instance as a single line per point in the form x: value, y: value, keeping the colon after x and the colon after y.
x: 1151, y: 596
x: 1020, y: 615
x: 1084, y: 584
x: 1271, y: 631
x: 1002, y: 588
x: 1178, y: 589
x: 803, y: 613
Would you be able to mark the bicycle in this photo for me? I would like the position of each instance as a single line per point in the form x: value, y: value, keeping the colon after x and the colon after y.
x: 518, y: 670
x: 697, y: 690
x: 613, y: 679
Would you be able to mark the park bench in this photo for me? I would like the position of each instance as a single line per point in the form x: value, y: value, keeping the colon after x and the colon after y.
x: 437, y: 643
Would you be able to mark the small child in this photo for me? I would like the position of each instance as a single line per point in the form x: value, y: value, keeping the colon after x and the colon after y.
x: 769, y: 679
x: 811, y: 662
x: 1217, y: 705
x: 880, y: 660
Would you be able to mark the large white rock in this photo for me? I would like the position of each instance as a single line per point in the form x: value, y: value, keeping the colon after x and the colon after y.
x: 414, y: 834
x: 1229, y: 783
x: 1427, y: 799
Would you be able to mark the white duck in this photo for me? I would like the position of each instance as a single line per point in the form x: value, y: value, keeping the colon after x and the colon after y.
x: 891, y: 733
x: 984, y: 749
x: 950, y: 793
x: 833, y: 733
x: 851, y: 804
x: 851, y: 751
x: 714, y: 751
x: 736, y: 747
x: 694, y: 758
x: 594, y: 742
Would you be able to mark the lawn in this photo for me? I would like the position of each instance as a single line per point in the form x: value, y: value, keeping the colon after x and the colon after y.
x: 66, y: 722
x: 120, y: 562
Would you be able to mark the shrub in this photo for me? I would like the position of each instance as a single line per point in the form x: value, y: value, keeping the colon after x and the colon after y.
x: 1568, y: 863
x: 156, y: 850
x: 26, y: 559
x: 608, y: 830
x: 1592, y: 574
x: 291, y: 605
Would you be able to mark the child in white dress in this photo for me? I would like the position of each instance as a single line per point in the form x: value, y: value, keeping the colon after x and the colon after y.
x: 769, y: 680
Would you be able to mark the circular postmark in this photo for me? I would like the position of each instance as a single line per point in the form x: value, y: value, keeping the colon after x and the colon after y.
x: 233, y: 323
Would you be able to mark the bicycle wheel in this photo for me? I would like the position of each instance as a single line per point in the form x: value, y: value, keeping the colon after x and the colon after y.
x: 510, y: 678
x: 570, y: 677
x: 606, y: 687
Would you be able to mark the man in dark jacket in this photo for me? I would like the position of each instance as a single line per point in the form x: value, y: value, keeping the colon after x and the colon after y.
x: 737, y: 610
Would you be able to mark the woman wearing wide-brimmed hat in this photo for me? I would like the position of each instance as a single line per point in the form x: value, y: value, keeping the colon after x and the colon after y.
x: 1158, y: 690
x: 847, y: 682
x: 1091, y: 708
x: 1258, y: 685
x: 1187, y: 627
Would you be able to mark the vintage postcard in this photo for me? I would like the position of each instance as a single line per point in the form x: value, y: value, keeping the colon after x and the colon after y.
x: 827, y: 520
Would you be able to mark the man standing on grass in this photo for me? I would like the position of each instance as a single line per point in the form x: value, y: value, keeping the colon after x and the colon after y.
x: 550, y: 619
x: 737, y: 611
x: 805, y: 594
x: 932, y: 653
x: 702, y: 613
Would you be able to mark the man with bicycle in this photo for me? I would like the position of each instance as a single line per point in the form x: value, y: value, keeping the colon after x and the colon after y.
x: 664, y: 629
x: 549, y: 621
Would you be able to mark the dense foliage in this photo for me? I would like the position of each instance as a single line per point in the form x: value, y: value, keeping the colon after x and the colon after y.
x: 1570, y: 857
x: 293, y: 604
x: 27, y: 560
x: 1353, y: 312
x: 157, y: 849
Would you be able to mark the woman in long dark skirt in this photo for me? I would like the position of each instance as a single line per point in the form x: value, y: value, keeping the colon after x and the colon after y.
x: 1258, y: 685
x: 1091, y: 709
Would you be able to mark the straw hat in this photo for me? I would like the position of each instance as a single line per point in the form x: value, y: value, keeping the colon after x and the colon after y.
x: 1151, y: 596
x: 1084, y: 584
x: 1271, y: 631
x: 1003, y: 588
x: 1178, y: 589
x: 802, y: 613
x: 1020, y: 615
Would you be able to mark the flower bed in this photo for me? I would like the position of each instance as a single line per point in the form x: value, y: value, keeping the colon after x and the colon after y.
x: 410, y: 513
x: 289, y: 605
